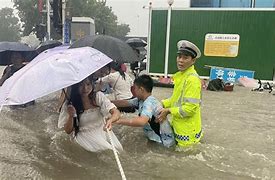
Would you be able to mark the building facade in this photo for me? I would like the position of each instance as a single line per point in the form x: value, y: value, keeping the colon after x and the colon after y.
x: 233, y: 3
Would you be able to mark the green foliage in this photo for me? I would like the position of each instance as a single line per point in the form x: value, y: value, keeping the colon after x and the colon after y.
x: 105, y: 19
x: 9, y: 26
x: 122, y: 30
x: 29, y: 15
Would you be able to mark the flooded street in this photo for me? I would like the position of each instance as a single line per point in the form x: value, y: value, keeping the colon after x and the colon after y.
x: 238, y: 143
x: 53, y: 44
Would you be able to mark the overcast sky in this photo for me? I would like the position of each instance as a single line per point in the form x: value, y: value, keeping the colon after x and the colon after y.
x: 129, y: 11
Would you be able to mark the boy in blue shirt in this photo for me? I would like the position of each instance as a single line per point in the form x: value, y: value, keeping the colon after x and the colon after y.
x: 148, y: 108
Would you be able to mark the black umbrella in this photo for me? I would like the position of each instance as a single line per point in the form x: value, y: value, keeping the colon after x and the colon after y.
x: 115, y: 48
x: 6, y: 48
x: 136, y: 42
x: 48, y: 45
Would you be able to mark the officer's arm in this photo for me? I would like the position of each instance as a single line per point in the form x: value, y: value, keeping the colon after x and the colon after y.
x: 191, y: 99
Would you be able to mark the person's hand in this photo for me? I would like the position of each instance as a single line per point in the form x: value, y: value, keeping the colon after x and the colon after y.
x: 108, y: 125
x: 117, y: 122
x: 163, y: 115
x: 71, y: 110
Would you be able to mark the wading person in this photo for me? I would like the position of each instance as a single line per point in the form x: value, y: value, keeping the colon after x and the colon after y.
x: 184, y: 104
x: 84, y: 117
x: 17, y: 61
x: 96, y: 75
x: 121, y: 83
x: 148, y: 108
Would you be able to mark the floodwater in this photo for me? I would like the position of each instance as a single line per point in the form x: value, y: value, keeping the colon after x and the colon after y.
x: 238, y: 143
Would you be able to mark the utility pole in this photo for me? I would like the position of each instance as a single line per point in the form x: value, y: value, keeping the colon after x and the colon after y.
x: 253, y: 3
x: 148, y: 36
x: 170, y: 2
x: 63, y: 20
x: 48, y: 20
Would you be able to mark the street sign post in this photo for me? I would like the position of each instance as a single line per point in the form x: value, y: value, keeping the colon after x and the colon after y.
x: 67, y: 31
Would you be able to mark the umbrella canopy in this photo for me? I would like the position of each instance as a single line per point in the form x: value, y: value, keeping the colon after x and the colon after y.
x: 51, y: 71
x: 47, y: 45
x: 6, y: 48
x: 136, y: 42
x: 116, y: 49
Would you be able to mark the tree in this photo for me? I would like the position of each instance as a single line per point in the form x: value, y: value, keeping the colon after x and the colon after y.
x: 122, y: 30
x: 28, y: 13
x: 105, y: 19
x: 9, y: 26
x: 29, y: 16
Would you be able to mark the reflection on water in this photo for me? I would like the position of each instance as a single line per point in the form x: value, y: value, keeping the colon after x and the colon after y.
x: 238, y: 143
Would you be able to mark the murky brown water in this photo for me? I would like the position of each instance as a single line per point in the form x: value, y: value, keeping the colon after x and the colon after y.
x: 238, y: 143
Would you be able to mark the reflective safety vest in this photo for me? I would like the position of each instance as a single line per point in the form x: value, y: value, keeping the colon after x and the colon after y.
x: 184, y: 105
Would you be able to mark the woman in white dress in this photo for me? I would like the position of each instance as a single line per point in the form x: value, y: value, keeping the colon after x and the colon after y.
x: 83, y: 118
x: 121, y: 84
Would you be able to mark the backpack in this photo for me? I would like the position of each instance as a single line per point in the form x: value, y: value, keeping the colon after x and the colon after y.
x: 215, y: 85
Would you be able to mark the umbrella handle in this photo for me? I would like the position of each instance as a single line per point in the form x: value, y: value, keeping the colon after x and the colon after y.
x: 75, y: 125
x: 75, y: 119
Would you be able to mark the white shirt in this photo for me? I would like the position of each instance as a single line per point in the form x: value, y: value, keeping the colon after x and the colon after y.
x: 121, y: 86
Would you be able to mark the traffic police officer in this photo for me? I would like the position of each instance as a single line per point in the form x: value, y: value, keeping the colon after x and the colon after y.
x: 184, y: 104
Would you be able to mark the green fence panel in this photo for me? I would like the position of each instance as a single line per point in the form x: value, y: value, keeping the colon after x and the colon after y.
x: 255, y: 28
x: 158, y: 39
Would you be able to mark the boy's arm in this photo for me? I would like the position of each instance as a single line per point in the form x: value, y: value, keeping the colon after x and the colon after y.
x: 121, y: 103
x: 138, y: 121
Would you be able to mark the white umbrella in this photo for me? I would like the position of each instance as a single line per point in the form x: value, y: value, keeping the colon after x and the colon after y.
x: 51, y: 71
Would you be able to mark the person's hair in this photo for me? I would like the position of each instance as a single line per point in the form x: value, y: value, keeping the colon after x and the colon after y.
x: 145, y: 81
x: 76, y: 101
x: 117, y: 67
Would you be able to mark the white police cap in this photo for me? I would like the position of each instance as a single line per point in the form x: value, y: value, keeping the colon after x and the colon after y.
x: 185, y: 46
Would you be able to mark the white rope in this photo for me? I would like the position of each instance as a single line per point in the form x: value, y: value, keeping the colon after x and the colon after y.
x: 123, y: 177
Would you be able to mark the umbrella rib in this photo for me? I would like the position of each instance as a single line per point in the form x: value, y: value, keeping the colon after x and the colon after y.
x: 26, y: 69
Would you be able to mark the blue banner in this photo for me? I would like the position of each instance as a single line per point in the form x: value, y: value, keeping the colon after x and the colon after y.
x: 229, y: 74
x: 67, y: 32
